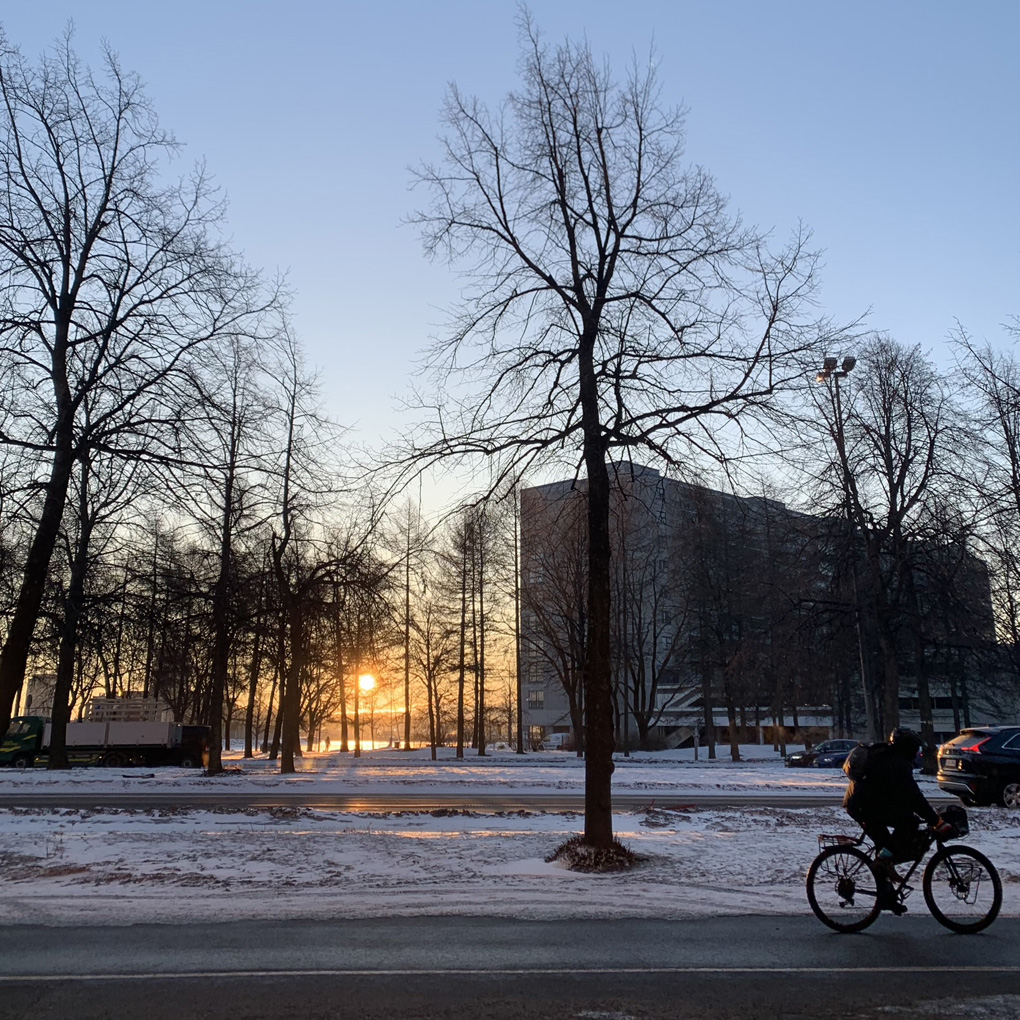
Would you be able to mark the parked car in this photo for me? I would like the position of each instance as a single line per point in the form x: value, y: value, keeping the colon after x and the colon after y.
x: 829, y: 754
x: 982, y: 765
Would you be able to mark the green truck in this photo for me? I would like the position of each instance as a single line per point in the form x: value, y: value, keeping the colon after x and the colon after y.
x: 113, y: 744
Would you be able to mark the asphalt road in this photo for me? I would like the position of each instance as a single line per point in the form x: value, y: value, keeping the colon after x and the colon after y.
x: 743, y: 968
x: 423, y: 801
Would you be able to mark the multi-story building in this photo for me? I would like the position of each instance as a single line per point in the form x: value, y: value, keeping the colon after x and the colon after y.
x: 733, y: 617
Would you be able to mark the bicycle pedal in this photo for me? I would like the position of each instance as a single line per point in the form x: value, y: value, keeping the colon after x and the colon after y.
x: 905, y: 891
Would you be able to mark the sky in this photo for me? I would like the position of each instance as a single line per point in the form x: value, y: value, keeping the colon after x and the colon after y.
x: 891, y: 130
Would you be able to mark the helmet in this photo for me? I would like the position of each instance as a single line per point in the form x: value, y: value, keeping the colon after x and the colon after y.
x: 906, y: 741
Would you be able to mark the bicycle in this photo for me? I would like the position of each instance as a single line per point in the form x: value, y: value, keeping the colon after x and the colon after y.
x: 961, y: 887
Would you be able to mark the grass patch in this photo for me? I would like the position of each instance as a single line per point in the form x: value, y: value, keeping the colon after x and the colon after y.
x: 581, y: 856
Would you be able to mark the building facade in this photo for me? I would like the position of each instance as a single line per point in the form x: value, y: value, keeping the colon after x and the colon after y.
x: 735, y: 620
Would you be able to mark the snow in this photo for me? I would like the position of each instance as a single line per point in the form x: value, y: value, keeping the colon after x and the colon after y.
x: 178, y: 865
x: 389, y: 771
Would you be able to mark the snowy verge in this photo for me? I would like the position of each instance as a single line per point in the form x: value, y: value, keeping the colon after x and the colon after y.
x: 390, y: 771
x: 118, y: 866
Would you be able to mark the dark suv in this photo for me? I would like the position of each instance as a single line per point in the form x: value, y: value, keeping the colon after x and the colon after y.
x: 982, y: 765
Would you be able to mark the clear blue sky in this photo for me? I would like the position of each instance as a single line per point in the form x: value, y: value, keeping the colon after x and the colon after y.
x: 890, y: 128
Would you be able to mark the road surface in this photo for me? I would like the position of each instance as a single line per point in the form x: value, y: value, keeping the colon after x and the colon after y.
x: 744, y: 968
x: 418, y: 801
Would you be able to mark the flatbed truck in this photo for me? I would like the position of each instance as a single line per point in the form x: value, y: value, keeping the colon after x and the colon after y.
x: 112, y: 744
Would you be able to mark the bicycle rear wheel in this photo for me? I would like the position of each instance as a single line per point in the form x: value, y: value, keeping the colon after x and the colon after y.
x: 962, y: 889
x: 842, y: 888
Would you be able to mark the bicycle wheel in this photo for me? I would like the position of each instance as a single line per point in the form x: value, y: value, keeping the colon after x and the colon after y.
x: 842, y: 888
x: 962, y: 889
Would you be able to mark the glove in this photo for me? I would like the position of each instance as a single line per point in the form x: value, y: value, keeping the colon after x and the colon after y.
x: 942, y: 830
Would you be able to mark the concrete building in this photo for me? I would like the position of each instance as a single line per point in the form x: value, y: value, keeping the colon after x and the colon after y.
x: 732, y: 617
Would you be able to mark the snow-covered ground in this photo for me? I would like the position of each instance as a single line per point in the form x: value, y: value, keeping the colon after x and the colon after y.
x: 388, y: 771
x: 180, y: 865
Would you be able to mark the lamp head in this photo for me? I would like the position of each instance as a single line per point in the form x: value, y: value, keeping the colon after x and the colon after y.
x: 848, y: 364
x: 829, y: 364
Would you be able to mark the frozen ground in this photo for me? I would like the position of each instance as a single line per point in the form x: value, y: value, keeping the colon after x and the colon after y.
x: 120, y: 866
x: 500, y: 771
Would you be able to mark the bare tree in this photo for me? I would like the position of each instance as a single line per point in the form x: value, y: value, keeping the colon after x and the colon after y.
x: 110, y: 277
x: 897, y: 442
x: 992, y: 377
x: 433, y: 647
x: 228, y: 425
x: 613, y: 302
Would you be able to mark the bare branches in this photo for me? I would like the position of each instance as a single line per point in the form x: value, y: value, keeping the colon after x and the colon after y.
x: 579, y: 223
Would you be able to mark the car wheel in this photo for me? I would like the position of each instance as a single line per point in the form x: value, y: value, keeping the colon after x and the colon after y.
x: 23, y: 761
x: 1010, y: 795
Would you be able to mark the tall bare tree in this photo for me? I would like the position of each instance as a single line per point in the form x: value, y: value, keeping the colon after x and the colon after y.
x: 111, y: 276
x: 896, y: 442
x: 612, y: 302
x: 992, y: 376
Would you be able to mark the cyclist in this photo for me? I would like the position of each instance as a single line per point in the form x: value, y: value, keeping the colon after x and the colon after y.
x: 887, y: 803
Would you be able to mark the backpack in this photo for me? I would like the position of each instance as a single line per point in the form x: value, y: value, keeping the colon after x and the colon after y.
x: 855, y: 768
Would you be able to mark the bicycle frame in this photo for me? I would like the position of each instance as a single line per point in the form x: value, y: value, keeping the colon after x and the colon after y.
x: 871, y: 850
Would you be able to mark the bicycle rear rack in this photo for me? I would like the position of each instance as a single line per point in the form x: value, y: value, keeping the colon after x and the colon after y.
x: 837, y: 839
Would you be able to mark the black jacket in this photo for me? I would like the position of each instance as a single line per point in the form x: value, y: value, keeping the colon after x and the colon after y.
x: 888, y: 793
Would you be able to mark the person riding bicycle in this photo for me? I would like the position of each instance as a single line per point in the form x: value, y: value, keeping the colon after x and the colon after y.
x: 887, y: 803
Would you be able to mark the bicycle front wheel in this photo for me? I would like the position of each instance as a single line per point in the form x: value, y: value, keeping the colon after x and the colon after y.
x: 962, y: 889
x: 842, y: 888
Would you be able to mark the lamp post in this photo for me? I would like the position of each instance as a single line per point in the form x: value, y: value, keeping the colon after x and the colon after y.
x: 831, y: 373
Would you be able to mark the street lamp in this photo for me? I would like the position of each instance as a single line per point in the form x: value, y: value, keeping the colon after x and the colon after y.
x: 830, y: 373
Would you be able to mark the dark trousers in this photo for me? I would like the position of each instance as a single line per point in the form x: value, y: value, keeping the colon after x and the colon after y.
x: 895, y: 833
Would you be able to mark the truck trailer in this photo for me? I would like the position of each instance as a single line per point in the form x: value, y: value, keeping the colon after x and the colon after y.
x: 113, y: 744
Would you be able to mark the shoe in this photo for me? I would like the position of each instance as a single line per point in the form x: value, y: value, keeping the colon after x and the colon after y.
x: 888, y: 900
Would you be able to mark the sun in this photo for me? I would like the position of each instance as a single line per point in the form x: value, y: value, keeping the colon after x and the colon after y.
x: 366, y: 682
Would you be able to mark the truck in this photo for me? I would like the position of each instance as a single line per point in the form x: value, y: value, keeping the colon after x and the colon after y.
x: 112, y: 744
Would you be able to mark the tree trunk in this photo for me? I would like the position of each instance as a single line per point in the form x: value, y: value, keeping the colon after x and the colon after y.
x: 598, y: 670
x: 407, y: 639
x: 708, y: 708
x: 463, y: 651
x: 517, y: 621
x: 14, y: 656
x: 269, y: 708
x: 731, y: 718
x: 924, y: 702
x: 480, y: 725
x: 254, y: 669
x: 291, y: 701
x: 221, y: 632
x: 74, y: 604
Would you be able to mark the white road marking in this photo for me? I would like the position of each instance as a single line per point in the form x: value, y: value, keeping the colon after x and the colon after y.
x: 488, y: 972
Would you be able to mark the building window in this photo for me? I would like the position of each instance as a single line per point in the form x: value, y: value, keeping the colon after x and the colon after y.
x: 536, y: 699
